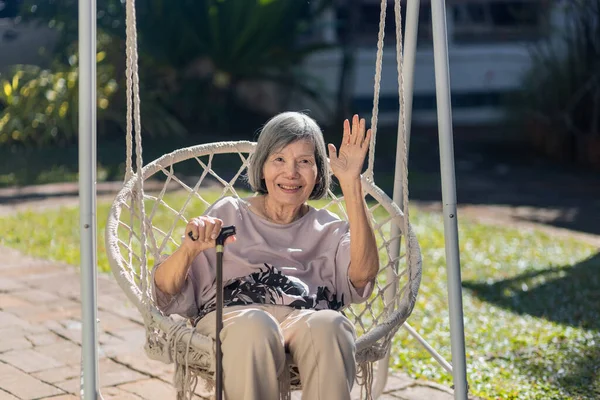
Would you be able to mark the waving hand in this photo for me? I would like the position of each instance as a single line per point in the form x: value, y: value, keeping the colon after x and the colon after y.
x: 347, y: 164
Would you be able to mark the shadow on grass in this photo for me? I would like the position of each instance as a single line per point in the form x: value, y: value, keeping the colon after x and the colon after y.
x: 565, y: 295
x: 568, y: 295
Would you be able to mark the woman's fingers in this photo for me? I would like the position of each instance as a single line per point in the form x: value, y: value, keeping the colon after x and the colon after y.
x: 332, y: 151
x: 209, y: 225
x: 204, y: 228
x: 191, y: 230
x: 212, y: 228
x: 201, y: 233
x: 216, y: 229
x: 367, y: 140
x: 361, y: 130
x: 346, y: 133
x: 355, y: 127
x: 354, y: 134
x: 201, y: 229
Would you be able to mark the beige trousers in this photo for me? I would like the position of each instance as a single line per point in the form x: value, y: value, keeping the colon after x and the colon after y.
x: 255, y: 340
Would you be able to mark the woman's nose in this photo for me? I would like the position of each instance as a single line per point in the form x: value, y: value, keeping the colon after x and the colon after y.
x: 291, y: 169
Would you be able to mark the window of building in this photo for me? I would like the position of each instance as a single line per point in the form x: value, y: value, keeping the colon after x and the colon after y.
x: 9, y: 8
x: 500, y: 20
x: 367, y: 21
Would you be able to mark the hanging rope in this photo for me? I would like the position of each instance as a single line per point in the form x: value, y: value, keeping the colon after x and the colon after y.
x: 376, y: 89
x: 129, y: 27
x: 402, y: 119
x: 133, y: 91
x: 130, y: 32
x: 402, y: 134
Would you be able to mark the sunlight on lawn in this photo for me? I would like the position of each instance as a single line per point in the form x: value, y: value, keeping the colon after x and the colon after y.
x: 531, y: 303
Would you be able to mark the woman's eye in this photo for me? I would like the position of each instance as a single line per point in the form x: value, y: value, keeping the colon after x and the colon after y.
x: 278, y: 159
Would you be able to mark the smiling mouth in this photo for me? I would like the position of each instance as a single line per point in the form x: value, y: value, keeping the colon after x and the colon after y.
x: 286, y: 187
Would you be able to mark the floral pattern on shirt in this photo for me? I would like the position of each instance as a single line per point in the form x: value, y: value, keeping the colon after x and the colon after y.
x: 271, y: 286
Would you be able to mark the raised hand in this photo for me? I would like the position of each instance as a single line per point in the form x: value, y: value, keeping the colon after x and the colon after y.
x: 347, y: 164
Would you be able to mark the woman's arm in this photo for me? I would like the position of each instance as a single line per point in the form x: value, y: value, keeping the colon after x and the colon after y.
x: 347, y: 166
x: 170, y: 275
x: 364, y: 257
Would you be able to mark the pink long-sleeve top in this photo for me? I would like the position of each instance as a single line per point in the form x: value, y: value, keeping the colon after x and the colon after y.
x: 303, y: 264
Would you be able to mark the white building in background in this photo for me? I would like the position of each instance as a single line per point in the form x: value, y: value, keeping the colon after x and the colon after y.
x: 488, y: 44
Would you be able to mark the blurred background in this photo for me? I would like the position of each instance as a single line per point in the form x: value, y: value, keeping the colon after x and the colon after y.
x: 524, y: 76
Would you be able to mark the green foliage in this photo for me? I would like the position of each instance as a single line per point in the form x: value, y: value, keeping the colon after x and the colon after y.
x: 196, y: 58
x: 531, y: 305
x: 209, y: 51
x: 41, y: 106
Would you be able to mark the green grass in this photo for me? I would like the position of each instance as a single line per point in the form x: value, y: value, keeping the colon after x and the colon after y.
x: 531, y: 302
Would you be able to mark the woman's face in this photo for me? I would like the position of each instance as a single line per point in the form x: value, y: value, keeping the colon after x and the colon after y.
x: 290, y: 173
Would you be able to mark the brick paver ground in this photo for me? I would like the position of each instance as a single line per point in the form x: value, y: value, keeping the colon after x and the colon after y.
x: 40, y: 340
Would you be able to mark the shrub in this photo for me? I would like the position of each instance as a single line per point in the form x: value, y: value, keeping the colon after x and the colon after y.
x: 40, y: 107
x: 560, y: 100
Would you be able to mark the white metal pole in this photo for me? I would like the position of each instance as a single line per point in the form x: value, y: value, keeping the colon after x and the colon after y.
x: 410, y: 52
x: 410, y: 48
x: 444, y: 115
x: 87, y: 195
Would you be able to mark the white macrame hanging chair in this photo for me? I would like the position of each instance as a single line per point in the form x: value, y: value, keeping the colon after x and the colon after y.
x: 137, y: 233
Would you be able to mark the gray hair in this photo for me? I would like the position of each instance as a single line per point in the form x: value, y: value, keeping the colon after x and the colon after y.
x: 280, y: 131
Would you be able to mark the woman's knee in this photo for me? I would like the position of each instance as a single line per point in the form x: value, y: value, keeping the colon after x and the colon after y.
x: 253, y: 325
x: 329, y: 323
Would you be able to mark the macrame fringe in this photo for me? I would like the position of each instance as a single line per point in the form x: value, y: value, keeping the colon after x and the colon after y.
x: 364, y: 377
x: 184, y: 379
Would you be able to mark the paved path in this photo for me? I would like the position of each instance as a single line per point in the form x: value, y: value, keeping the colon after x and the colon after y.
x: 40, y: 337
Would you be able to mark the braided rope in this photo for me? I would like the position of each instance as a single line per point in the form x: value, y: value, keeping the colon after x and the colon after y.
x: 133, y: 96
x: 376, y: 89
x: 130, y: 33
x: 402, y: 134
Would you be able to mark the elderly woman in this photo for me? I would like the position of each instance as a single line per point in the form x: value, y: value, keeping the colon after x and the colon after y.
x: 290, y: 269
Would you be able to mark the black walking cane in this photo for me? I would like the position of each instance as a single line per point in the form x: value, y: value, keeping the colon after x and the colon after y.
x: 226, y: 231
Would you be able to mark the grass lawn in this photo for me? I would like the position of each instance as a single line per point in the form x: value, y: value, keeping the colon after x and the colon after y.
x: 531, y: 303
